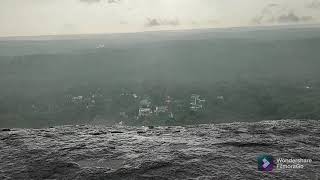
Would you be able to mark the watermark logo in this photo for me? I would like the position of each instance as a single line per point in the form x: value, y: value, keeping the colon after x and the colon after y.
x: 285, y: 163
x: 265, y: 163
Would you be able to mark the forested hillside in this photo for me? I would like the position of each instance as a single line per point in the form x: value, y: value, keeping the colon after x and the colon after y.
x: 241, y: 76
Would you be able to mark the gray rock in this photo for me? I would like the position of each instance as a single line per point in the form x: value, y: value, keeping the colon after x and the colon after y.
x: 221, y: 151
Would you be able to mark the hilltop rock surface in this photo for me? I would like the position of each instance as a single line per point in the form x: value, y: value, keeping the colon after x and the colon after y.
x: 215, y: 151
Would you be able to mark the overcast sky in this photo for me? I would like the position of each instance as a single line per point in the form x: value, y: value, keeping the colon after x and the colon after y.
x: 49, y: 17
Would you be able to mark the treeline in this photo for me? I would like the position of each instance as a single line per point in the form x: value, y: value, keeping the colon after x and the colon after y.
x: 241, y: 80
x: 225, y: 102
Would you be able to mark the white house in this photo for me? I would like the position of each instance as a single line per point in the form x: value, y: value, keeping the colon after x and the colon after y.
x: 145, y: 112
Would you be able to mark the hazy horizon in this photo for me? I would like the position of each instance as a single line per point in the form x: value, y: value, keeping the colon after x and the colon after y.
x: 174, y: 31
x: 57, y: 17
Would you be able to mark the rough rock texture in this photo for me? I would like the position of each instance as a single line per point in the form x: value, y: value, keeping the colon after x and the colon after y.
x: 222, y: 151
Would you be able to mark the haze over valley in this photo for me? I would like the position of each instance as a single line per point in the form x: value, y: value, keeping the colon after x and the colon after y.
x: 239, y: 74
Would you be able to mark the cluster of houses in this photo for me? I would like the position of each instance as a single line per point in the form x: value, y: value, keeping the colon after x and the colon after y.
x: 135, y: 96
x: 196, y: 102
x: 146, y: 109
x: 89, y: 101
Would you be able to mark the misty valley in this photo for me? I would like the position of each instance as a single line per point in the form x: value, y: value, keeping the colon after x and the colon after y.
x: 159, y: 89
x: 161, y: 78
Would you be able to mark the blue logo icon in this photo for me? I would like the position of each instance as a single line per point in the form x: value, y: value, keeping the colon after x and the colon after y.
x: 265, y: 163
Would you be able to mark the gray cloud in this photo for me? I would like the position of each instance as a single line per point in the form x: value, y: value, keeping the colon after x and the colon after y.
x: 117, y: 16
x: 90, y: 1
x: 96, y: 1
x: 288, y: 18
x: 285, y: 18
x: 272, y: 5
x: 113, y: 1
x: 266, y: 14
x: 314, y: 4
x: 274, y: 13
x: 293, y: 18
x: 152, y: 22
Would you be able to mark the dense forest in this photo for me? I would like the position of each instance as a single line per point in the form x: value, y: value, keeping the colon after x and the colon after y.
x: 240, y: 75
